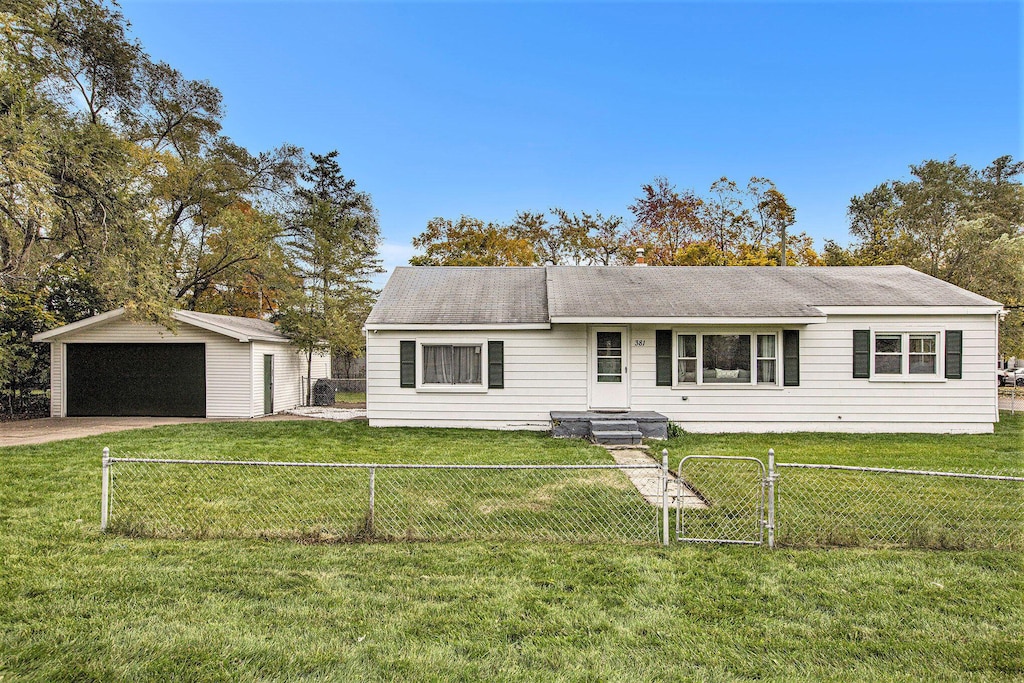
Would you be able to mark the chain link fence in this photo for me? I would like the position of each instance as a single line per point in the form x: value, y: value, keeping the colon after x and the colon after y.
x: 713, y: 498
x: 812, y: 505
x: 831, y: 505
x: 1011, y: 399
x: 720, y: 499
x: 340, y: 502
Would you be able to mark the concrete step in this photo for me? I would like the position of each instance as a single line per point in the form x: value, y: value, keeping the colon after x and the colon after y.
x: 617, y: 437
x: 614, y: 425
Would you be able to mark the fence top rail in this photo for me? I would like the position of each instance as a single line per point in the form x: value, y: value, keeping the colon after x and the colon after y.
x: 888, y: 470
x: 373, y: 465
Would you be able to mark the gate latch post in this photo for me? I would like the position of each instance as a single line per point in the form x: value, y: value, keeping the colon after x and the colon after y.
x: 770, y: 493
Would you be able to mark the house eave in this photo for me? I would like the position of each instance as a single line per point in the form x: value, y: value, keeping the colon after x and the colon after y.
x: 184, y: 317
x: 180, y: 316
x: 50, y: 335
x: 692, y: 320
x: 374, y: 327
x: 911, y: 310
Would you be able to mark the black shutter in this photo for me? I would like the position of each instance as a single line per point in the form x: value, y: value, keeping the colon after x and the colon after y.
x: 954, y: 354
x: 408, y: 364
x: 495, y: 365
x: 663, y: 358
x: 861, y: 353
x: 790, y: 358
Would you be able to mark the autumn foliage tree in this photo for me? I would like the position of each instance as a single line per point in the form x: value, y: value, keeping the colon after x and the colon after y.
x: 951, y: 221
x: 119, y: 188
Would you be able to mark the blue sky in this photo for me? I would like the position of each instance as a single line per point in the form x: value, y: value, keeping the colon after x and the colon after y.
x: 440, y: 109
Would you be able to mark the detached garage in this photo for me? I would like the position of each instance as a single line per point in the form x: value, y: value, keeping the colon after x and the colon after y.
x: 210, y: 366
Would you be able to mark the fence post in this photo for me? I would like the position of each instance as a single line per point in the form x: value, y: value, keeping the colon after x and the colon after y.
x: 664, y: 496
x: 373, y: 495
x: 771, y: 497
x: 105, y: 490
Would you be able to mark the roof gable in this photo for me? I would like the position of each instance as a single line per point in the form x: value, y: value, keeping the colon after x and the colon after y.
x: 242, y: 329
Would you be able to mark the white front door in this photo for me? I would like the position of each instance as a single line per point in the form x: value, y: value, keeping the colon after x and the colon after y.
x: 609, y: 367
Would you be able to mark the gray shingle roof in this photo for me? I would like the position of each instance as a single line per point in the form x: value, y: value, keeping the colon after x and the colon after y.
x: 246, y: 327
x: 466, y: 296
x: 462, y: 295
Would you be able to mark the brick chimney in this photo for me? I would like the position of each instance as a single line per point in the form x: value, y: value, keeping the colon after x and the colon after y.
x: 640, y: 257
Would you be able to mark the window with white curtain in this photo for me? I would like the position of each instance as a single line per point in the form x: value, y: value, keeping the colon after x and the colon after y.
x: 452, y: 364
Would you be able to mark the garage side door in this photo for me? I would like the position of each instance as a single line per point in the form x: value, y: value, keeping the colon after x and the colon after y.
x: 160, y: 380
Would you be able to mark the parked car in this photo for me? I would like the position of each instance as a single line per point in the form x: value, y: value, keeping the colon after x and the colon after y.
x: 1010, y: 377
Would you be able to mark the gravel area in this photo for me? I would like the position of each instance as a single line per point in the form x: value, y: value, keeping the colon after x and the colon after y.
x: 329, y: 413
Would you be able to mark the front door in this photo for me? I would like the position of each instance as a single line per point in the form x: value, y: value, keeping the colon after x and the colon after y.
x: 609, y: 369
x: 268, y: 384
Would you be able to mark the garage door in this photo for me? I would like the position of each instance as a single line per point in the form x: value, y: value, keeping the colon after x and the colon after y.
x: 164, y: 380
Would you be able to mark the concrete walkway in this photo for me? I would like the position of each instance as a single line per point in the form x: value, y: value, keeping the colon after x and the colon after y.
x: 47, y: 429
x: 648, y: 481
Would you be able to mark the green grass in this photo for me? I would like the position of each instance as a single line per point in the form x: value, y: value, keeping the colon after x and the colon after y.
x: 76, y: 604
x: 350, y: 397
x: 829, y: 508
x: 1002, y: 451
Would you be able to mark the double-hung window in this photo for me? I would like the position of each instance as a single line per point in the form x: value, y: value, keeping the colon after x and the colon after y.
x: 766, y: 358
x: 906, y: 353
x: 740, y: 358
x: 452, y: 364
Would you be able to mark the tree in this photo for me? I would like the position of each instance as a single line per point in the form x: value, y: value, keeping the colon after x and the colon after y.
x: 586, y: 239
x: 725, y: 220
x: 666, y: 221
x: 333, y: 239
x: 773, y: 215
x: 472, y: 242
x: 953, y: 222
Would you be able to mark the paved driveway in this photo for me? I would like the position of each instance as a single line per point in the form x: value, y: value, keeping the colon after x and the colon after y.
x: 44, y: 430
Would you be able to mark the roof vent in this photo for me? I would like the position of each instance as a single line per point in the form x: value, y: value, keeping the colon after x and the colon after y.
x: 640, y: 257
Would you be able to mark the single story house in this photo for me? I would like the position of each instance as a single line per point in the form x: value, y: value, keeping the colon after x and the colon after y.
x: 210, y: 366
x: 714, y: 349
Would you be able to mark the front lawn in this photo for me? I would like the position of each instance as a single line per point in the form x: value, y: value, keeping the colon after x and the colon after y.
x: 350, y: 397
x: 78, y: 604
x: 1002, y: 451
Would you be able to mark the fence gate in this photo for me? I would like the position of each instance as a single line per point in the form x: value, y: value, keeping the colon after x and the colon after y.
x: 723, y: 499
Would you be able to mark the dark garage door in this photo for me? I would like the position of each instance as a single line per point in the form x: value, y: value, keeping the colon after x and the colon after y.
x: 162, y: 380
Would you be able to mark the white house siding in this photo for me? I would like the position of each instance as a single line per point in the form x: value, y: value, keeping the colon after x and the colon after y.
x: 228, y: 378
x: 289, y: 371
x: 544, y: 370
x: 829, y: 398
x: 56, y: 379
x: 547, y: 370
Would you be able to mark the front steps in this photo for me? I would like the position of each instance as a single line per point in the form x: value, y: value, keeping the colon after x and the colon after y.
x: 623, y: 428
x: 615, y: 432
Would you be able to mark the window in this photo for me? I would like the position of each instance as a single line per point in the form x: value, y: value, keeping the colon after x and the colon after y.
x: 766, y: 359
x: 906, y: 353
x: 452, y: 364
x: 726, y: 358
x: 922, y: 354
x: 888, y: 354
x: 739, y: 358
x: 609, y: 357
x: 687, y: 359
